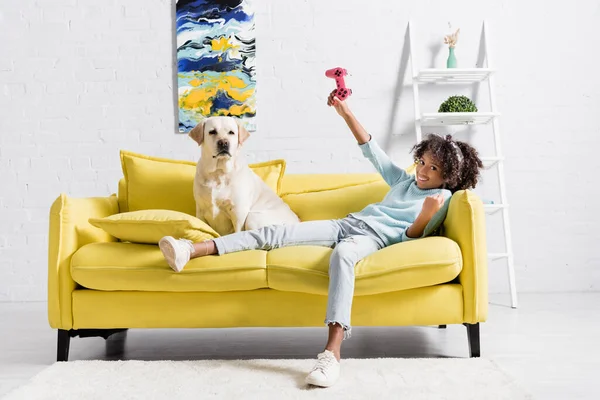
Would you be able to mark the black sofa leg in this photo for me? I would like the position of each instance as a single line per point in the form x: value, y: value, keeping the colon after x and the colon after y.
x: 114, y: 345
x: 64, y: 339
x: 442, y: 326
x: 473, y: 334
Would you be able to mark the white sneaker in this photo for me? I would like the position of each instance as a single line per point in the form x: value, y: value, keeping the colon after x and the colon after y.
x: 177, y: 252
x: 326, y: 371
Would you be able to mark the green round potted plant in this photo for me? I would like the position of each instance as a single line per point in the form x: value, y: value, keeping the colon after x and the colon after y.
x: 458, y: 104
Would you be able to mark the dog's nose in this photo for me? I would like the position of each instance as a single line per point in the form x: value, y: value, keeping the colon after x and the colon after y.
x: 223, y: 144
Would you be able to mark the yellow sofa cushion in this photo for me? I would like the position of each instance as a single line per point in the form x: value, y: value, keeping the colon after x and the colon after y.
x: 161, y: 183
x: 303, y: 183
x: 148, y: 226
x: 318, y: 197
x: 417, y: 263
x: 142, y: 267
x: 304, y: 269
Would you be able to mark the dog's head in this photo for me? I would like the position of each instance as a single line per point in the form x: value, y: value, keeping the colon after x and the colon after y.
x: 220, y: 137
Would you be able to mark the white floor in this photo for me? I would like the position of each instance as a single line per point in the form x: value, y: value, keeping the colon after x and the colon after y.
x: 550, y: 343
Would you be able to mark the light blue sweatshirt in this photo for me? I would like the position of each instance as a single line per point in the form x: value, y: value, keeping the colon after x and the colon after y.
x: 392, y: 216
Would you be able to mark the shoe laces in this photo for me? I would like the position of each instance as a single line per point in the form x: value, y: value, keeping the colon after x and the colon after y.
x: 324, y: 361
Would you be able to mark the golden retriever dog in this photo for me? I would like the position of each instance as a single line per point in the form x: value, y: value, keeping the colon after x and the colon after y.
x: 229, y: 196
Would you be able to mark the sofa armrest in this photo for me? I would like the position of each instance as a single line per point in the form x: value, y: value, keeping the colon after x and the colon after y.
x: 465, y: 224
x: 70, y: 230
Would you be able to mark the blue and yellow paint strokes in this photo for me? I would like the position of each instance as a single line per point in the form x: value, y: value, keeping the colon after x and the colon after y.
x: 215, y: 55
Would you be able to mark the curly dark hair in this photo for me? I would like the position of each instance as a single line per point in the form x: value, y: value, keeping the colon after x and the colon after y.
x: 457, y: 175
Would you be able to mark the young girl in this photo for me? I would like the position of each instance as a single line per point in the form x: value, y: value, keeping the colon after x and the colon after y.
x: 413, y: 208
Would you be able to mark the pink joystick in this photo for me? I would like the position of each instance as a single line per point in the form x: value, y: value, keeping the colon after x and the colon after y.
x: 342, y: 92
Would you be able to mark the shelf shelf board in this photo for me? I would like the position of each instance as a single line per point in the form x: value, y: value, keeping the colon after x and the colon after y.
x: 456, y: 118
x: 497, y: 256
x: 494, y: 208
x: 453, y: 75
x: 489, y: 162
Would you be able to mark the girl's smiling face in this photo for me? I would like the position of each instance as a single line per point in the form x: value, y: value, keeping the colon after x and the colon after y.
x: 428, y: 172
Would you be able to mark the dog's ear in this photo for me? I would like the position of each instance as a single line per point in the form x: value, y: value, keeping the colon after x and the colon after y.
x: 242, y: 133
x: 198, y: 133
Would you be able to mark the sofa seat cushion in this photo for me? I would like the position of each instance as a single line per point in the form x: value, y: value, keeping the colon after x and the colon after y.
x: 417, y: 263
x: 142, y: 267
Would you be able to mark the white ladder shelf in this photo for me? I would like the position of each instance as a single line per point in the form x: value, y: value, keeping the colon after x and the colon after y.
x: 469, y: 76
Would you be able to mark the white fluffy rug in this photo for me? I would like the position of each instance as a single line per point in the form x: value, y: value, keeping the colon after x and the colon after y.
x: 390, y: 378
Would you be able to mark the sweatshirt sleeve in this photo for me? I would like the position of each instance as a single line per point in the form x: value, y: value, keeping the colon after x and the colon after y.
x: 435, y: 222
x: 390, y: 172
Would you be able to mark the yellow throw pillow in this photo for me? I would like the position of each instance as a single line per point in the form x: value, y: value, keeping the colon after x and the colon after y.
x: 161, y: 183
x: 148, y: 226
x: 335, y: 203
x: 331, y: 196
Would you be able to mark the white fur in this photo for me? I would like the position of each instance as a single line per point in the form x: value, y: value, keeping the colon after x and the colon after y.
x: 229, y: 196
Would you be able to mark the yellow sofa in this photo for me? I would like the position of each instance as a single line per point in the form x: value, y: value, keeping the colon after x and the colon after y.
x: 99, y: 286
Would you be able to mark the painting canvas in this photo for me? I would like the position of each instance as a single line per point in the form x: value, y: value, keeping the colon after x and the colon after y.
x: 215, y: 59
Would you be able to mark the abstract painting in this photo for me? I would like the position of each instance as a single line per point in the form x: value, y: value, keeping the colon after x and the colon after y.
x: 215, y: 61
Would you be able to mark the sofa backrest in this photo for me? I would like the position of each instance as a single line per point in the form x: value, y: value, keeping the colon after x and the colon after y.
x: 330, y: 196
x: 160, y: 183
x: 311, y: 196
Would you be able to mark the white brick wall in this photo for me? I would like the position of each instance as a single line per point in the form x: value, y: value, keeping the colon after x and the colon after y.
x: 81, y: 79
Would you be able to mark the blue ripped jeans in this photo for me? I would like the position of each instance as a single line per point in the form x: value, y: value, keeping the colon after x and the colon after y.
x: 351, y: 238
